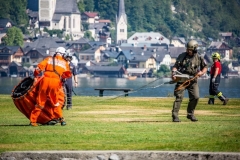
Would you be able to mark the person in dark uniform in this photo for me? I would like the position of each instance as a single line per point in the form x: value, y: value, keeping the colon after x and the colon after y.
x: 69, y: 81
x: 192, y: 64
x: 215, y: 73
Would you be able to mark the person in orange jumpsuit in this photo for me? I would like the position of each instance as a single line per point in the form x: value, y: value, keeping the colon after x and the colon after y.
x: 55, y: 69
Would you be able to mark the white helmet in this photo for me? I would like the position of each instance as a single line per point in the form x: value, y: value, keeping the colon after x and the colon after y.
x: 61, y: 50
x: 68, y: 55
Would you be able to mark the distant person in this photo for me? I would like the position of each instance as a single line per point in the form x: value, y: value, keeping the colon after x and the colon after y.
x: 215, y: 77
x: 69, y: 81
x: 192, y: 64
x: 55, y: 69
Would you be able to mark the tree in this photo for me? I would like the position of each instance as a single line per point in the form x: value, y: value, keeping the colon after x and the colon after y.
x: 164, y: 68
x: 163, y: 71
x: 89, y: 5
x: 67, y: 37
x: 81, y: 6
x: 17, y: 11
x: 14, y: 37
x: 88, y: 35
x: 4, y: 9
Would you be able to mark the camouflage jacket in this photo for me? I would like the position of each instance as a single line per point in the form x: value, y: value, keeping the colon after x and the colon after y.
x: 190, y: 65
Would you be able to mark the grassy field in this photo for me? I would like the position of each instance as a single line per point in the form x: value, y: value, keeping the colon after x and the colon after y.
x: 125, y: 123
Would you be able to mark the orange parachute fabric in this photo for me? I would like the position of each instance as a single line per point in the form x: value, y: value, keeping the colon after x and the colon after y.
x: 24, y: 96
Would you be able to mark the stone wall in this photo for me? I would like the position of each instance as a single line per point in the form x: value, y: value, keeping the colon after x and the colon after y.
x: 118, y: 155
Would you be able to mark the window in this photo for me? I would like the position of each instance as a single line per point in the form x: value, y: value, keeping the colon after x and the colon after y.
x: 34, y: 55
x: 74, y: 23
x: 121, y: 30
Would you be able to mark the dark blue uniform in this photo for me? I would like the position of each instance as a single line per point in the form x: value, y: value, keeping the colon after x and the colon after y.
x: 69, y: 86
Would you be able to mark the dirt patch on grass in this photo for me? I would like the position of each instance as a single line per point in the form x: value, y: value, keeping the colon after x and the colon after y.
x: 135, y: 111
x: 145, y: 111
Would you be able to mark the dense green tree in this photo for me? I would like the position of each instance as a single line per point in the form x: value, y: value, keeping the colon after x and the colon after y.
x: 89, y: 5
x: 164, y: 68
x: 14, y: 37
x: 88, y: 35
x: 18, y: 11
x: 199, y: 18
x: 85, y: 26
x: 53, y: 32
x: 4, y: 9
x: 15, y: 11
x: 81, y: 6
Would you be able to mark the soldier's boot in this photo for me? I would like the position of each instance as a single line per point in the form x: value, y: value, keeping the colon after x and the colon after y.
x: 191, y: 117
x: 175, y: 117
x: 211, y: 101
x: 175, y: 110
x: 190, y: 109
x: 223, y: 98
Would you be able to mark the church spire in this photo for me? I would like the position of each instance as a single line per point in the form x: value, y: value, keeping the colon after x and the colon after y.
x: 121, y: 11
x: 121, y: 23
x: 121, y: 8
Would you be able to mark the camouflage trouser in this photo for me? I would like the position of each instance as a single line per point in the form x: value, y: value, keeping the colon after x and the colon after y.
x: 69, y: 88
x: 193, y: 93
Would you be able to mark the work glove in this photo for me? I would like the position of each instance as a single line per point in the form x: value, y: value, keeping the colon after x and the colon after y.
x: 213, y: 80
x: 66, y: 74
x: 36, y: 72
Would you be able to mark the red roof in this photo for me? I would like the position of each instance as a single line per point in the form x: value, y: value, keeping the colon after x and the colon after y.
x: 91, y: 14
x: 104, y: 21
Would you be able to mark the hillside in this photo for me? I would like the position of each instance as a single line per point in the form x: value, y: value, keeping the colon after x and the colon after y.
x: 184, y: 18
x: 175, y: 18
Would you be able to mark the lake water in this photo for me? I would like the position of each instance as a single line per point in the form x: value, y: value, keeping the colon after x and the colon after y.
x: 142, y: 87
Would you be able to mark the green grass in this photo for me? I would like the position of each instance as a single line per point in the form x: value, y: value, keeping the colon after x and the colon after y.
x: 125, y: 123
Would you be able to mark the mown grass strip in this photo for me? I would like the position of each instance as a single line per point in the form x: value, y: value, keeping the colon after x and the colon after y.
x: 125, y: 123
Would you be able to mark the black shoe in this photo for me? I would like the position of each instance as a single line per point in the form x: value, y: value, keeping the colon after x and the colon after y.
x: 225, y: 101
x: 211, y: 101
x: 192, y: 118
x: 63, y: 123
x: 61, y: 120
x: 52, y: 122
x: 175, y: 119
x: 69, y: 107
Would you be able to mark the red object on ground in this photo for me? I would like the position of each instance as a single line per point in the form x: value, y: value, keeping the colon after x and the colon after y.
x: 24, y: 96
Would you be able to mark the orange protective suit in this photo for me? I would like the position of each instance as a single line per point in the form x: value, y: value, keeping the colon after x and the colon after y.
x: 50, y: 85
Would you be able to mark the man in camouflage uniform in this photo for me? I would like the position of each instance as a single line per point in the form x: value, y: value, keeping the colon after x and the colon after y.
x: 192, y: 64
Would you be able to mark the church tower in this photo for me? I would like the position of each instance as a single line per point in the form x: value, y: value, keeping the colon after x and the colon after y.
x: 121, y: 23
x: 46, y: 12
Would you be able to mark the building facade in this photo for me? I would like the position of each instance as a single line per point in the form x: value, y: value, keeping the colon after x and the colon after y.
x: 60, y: 15
x: 121, y: 24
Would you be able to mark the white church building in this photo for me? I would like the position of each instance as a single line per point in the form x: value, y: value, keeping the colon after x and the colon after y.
x: 61, y: 15
x: 121, y: 24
